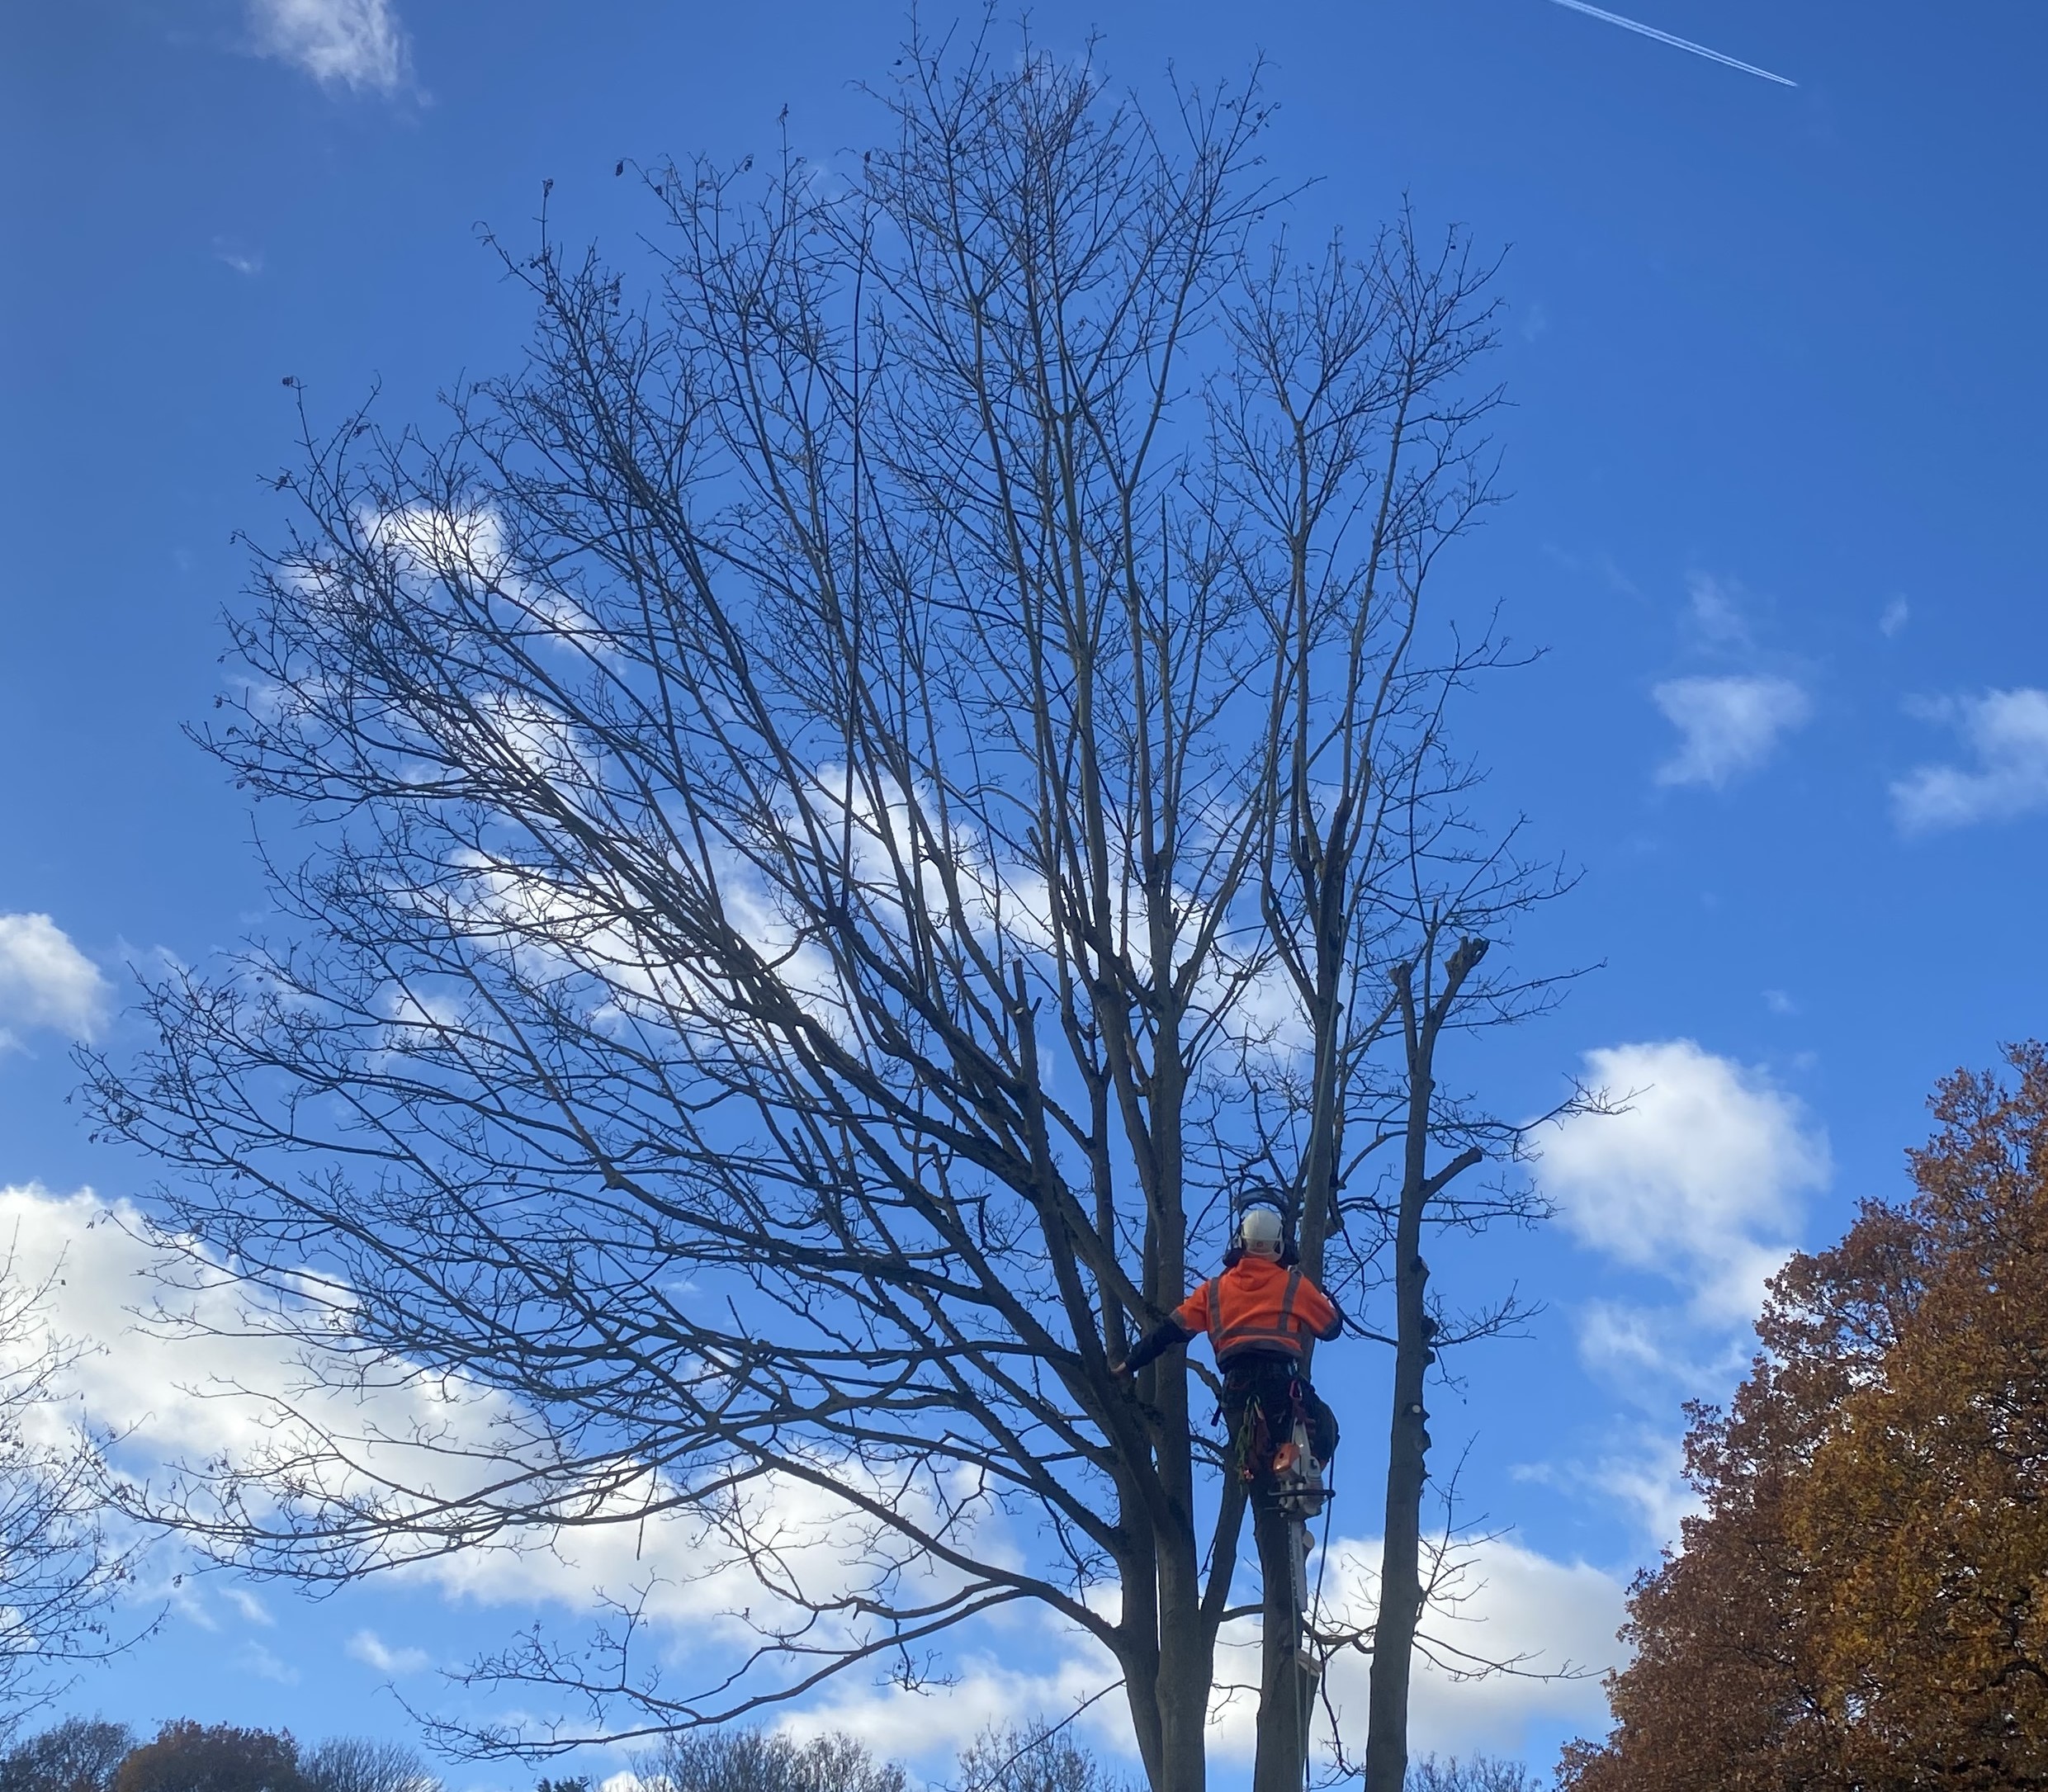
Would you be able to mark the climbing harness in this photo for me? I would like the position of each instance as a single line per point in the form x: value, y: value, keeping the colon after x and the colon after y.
x: 1307, y: 1436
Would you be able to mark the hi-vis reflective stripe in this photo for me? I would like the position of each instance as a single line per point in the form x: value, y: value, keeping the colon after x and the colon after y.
x: 1283, y: 1332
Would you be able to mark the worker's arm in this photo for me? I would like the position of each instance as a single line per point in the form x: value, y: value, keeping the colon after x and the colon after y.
x: 1316, y: 1311
x: 1166, y: 1336
x: 1188, y: 1320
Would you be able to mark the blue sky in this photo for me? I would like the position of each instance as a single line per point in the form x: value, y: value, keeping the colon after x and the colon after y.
x: 1776, y: 453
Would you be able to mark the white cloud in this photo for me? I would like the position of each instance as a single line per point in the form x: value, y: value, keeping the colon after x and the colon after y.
x: 1728, y: 725
x: 1505, y: 1604
x: 1644, y: 1473
x: 1717, y: 613
x: 1894, y: 617
x: 255, y: 1659
x: 2008, y: 733
x: 210, y: 1392
x: 47, y: 981
x: 359, y: 44
x: 367, y: 1647
x: 246, y: 262
x: 986, y: 1691
x: 252, y: 1608
x: 1700, y: 1181
x: 1651, y: 1481
x: 172, y: 1398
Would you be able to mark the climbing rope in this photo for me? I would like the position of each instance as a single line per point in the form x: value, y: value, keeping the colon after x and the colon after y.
x: 1315, y: 1611
x: 1309, y: 1620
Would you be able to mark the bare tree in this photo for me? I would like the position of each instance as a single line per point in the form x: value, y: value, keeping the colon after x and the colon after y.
x: 1477, y: 1773
x: 1379, y: 894
x: 78, y: 1755
x: 60, y: 1571
x: 1032, y: 1757
x: 751, y: 1760
x: 364, y: 1764
x: 839, y: 803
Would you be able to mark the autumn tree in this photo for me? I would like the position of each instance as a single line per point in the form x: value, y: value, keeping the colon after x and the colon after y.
x: 842, y: 817
x: 1862, y: 1603
x: 186, y: 1755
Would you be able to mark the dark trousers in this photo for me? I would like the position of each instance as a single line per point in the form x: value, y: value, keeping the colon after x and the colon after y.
x: 1261, y: 1391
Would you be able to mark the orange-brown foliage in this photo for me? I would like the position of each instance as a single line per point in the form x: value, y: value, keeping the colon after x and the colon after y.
x: 1862, y: 1603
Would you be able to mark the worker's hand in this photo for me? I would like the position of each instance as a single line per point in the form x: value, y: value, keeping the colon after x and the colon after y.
x: 1123, y: 1372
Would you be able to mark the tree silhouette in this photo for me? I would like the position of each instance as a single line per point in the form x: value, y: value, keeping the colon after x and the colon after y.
x: 857, y: 805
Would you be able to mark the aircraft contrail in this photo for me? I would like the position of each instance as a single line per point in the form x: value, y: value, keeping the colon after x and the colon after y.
x: 1677, y: 43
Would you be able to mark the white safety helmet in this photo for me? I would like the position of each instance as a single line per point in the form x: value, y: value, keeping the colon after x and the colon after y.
x: 1260, y: 1233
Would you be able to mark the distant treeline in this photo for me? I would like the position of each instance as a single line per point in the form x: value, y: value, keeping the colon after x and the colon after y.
x: 92, y: 1755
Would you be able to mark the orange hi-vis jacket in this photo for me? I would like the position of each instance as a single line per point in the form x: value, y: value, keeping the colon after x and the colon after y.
x: 1254, y: 1305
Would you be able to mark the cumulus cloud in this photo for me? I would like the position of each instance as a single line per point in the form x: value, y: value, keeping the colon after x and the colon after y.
x: 217, y: 1390
x: 985, y: 1691
x: 357, y: 43
x: 47, y: 981
x: 1727, y: 726
x: 1504, y: 1604
x: 174, y: 1399
x: 1701, y: 1182
x: 2007, y: 734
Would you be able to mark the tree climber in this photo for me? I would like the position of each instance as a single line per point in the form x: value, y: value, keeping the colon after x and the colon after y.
x: 1259, y: 1313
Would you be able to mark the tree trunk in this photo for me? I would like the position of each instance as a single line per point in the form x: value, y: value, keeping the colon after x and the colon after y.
x: 1186, y: 1668
x: 1408, y: 1439
x: 1400, y: 1560
x: 1287, y: 1679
